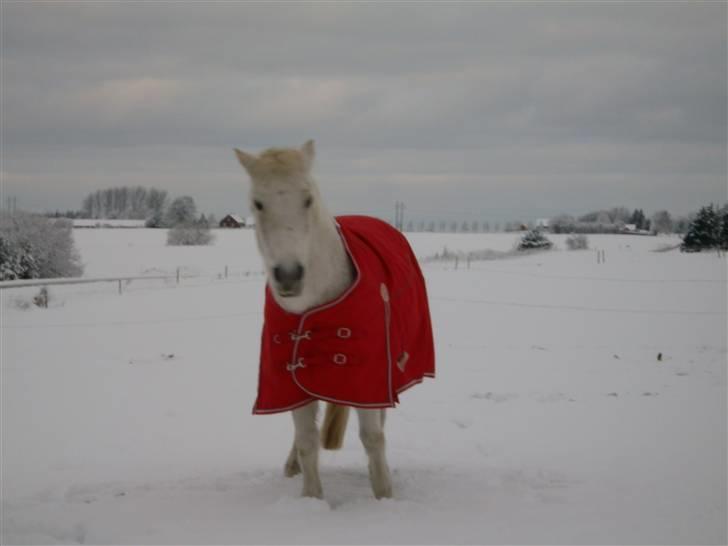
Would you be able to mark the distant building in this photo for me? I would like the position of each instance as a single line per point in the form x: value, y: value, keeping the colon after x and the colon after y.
x: 542, y: 223
x: 630, y: 227
x: 232, y: 221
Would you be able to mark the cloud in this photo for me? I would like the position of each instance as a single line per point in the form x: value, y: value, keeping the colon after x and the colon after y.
x: 439, y: 101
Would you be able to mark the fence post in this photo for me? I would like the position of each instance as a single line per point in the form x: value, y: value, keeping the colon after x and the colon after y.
x: 456, y: 262
x: 226, y: 272
x: 178, y: 275
x: 119, y: 286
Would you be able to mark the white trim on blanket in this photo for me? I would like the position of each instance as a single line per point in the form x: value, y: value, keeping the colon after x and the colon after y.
x: 281, y: 410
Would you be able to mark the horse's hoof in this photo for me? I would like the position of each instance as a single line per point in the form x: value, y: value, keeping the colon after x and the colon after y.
x: 313, y: 494
x: 292, y: 468
x: 385, y: 493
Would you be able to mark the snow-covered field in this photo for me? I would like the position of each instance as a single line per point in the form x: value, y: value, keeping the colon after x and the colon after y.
x: 126, y: 418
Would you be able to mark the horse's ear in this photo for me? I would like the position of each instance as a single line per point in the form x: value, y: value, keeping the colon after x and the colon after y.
x: 309, y: 151
x: 246, y: 160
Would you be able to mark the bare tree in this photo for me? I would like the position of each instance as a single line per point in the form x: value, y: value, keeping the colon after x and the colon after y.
x: 182, y: 211
x: 662, y: 222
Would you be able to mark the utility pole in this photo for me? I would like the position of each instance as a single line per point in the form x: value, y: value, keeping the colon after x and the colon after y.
x: 399, y: 215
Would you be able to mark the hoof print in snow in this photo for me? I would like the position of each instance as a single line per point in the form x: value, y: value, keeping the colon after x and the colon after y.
x: 681, y: 374
x: 650, y: 394
x: 493, y: 396
x: 461, y: 424
x: 614, y: 394
x: 169, y: 356
x: 553, y: 397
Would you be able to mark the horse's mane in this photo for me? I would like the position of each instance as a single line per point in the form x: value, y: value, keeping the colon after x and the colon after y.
x: 280, y: 163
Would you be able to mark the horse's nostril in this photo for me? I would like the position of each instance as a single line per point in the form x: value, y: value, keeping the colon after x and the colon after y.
x: 285, y: 275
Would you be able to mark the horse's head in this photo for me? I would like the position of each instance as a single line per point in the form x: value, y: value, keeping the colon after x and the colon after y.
x: 285, y: 201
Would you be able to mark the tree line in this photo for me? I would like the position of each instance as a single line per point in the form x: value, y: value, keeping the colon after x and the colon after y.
x: 124, y: 202
x: 139, y: 203
x: 616, y: 219
x: 613, y: 220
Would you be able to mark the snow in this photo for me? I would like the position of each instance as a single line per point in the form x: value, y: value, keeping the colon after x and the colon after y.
x: 126, y: 418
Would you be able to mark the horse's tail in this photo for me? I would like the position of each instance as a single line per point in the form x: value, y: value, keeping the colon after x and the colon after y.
x: 334, y: 427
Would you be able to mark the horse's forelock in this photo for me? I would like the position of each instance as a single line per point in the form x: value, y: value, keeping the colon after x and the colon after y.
x: 280, y: 163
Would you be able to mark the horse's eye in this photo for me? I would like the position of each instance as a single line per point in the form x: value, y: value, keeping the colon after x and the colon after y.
x: 258, y: 205
x: 307, y: 202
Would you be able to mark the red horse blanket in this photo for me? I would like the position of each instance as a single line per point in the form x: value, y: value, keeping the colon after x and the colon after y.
x: 362, y: 349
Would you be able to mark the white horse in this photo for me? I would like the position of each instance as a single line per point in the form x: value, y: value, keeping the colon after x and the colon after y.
x: 307, y: 265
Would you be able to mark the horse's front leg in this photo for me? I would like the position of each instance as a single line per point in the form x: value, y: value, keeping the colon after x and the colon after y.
x: 306, y: 443
x: 371, y: 432
x: 292, y: 467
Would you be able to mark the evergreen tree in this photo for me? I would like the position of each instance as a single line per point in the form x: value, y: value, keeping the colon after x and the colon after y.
x: 723, y: 234
x: 638, y: 219
x: 704, y: 231
x: 534, y: 239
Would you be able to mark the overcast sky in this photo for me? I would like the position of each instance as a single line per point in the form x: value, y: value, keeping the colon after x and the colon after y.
x: 479, y: 111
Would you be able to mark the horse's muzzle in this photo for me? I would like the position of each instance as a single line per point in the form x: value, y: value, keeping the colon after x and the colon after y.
x: 289, y: 280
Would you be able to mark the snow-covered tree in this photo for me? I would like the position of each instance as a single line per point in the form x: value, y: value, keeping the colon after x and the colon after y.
x: 723, y: 233
x: 182, y: 211
x: 577, y: 241
x: 704, y: 231
x: 190, y: 234
x: 662, y: 222
x: 562, y: 223
x: 34, y: 246
x: 156, y: 201
x: 682, y: 224
x: 534, y: 239
x: 124, y: 202
x: 619, y: 215
x: 156, y: 220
